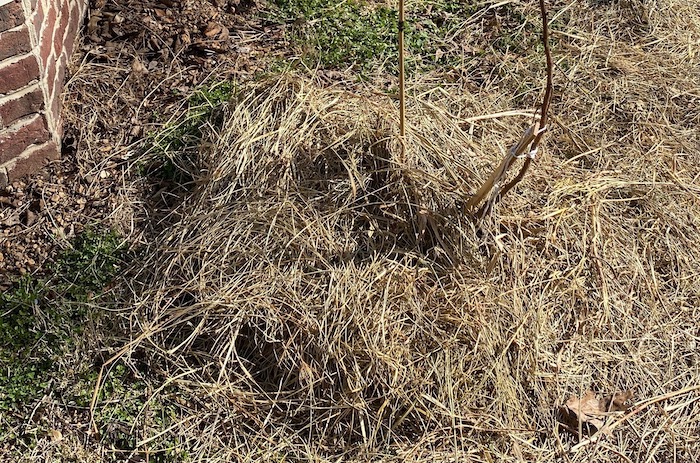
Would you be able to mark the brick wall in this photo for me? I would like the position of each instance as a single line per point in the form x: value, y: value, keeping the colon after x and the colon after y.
x: 36, y: 40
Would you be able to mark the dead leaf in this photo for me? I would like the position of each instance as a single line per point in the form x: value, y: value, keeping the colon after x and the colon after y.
x: 224, y: 33
x: 212, y: 29
x: 29, y: 218
x: 136, y: 131
x: 588, y: 414
x: 95, y: 17
x: 11, y: 220
x: 138, y: 67
x: 588, y: 409
x: 55, y: 435
x: 619, y: 401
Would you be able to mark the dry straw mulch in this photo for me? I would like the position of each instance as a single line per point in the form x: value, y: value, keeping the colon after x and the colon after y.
x: 322, y: 294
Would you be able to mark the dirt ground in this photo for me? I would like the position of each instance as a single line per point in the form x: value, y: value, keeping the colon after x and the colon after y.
x: 135, y: 65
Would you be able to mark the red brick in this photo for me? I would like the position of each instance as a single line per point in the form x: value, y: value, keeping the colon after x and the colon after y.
x: 50, y: 74
x: 37, y: 20
x: 72, y: 34
x: 60, y: 76
x: 56, y: 103
x: 24, y: 104
x: 17, y: 74
x: 46, y: 36
x: 32, y: 160
x: 59, y: 34
x: 55, y: 114
x: 83, y: 8
x: 11, y: 15
x: 14, y: 42
x: 55, y: 74
x: 14, y: 140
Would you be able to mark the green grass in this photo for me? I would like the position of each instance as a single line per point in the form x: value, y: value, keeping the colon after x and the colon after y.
x: 170, y: 148
x: 186, y: 131
x: 41, y: 323
x: 40, y: 316
x: 89, y: 264
x: 363, y: 35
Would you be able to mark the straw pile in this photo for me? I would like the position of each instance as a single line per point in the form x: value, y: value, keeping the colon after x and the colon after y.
x: 321, y: 294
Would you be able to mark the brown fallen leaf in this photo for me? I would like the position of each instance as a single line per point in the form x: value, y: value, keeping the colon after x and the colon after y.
x: 138, y: 67
x: 11, y: 219
x: 95, y: 17
x: 55, y: 435
x: 587, y: 409
x: 224, y: 33
x: 29, y: 218
x: 619, y: 401
x: 212, y: 29
x: 588, y: 414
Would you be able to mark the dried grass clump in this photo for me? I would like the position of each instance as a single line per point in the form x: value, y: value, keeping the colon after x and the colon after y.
x: 321, y: 294
x: 303, y: 281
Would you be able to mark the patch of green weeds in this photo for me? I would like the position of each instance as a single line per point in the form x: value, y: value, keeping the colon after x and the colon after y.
x: 128, y: 413
x: 41, y: 321
x: 91, y: 262
x: 40, y: 318
x: 363, y: 34
x: 171, y: 149
x: 24, y: 383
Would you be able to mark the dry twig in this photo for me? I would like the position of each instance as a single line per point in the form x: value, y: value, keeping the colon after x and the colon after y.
x: 531, y: 138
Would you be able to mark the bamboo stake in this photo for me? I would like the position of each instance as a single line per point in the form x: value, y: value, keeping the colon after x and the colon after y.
x: 402, y: 71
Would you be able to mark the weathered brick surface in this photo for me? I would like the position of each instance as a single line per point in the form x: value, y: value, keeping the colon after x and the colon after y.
x: 46, y: 39
x: 11, y: 15
x: 60, y: 76
x: 54, y: 111
x: 74, y: 20
x: 55, y: 74
x: 15, y: 139
x: 17, y: 74
x: 20, y: 104
x: 60, y: 31
x: 15, y: 42
x: 34, y: 52
x: 30, y: 161
x: 50, y: 76
x: 38, y: 18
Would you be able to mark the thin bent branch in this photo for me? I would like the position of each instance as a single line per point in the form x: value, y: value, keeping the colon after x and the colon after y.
x: 532, y: 137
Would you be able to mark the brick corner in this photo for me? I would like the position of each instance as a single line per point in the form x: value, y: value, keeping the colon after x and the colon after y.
x: 30, y: 161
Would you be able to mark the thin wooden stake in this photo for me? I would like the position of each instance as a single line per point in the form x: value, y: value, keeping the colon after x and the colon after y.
x: 402, y: 82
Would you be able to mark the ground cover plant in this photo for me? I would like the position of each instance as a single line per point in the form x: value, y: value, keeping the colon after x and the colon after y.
x: 48, y: 329
x: 304, y: 286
